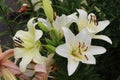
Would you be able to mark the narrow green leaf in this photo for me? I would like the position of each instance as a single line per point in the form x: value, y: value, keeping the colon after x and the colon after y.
x: 3, y: 33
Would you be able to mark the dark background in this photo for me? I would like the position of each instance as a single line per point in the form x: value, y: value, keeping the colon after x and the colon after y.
x: 6, y: 38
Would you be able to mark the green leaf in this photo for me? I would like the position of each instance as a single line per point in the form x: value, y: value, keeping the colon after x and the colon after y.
x: 3, y: 33
x: 1, y: 18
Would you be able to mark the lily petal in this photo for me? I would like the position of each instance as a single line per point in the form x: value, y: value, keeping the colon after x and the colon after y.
x: 82, y: 20
x: 70, y: 38
x: 19, y: 52
x: 29, y: 73
x: 50, y: 59
x: 24, y: 35
x: 31, y: 26
x: 102, y: 25
x: 38, y: 58
x: 30, y: 70
x: 62, y: 21
x: 90, y: 30
x: 38, y: 34
x: 11, y: 66
x: 94, y: 50
x: 103, y: 37
x: 73, y: 16
x: 7, y: 74
x: 84, y: 37
x: 27, y: 58
x: 72, y: 66
x: 40, y: 68
x: 62, y: 50
x: 90, y: 59
x: 45, y: 22
x: 7, y: 54
x: 82, y: 14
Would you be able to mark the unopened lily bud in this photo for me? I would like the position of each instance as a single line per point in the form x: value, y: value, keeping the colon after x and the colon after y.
x: 48, y: 9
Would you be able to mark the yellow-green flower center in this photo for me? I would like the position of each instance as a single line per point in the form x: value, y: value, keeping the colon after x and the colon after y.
x: 79, y: 52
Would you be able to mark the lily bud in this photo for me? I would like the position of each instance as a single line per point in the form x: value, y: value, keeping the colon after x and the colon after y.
x: 48, y: 10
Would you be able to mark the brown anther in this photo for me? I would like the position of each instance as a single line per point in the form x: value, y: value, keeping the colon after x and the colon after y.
x: 83, y: 45
x: 18, y: 45
x: 79, y: 45
x: 19, y: 39
x: 79, y: 48
x: 93, y: 19
x: 96, y: 22
x: 86, y: 57
x: 86, y: 49
x: 90, y: 19
x: 18, y: 42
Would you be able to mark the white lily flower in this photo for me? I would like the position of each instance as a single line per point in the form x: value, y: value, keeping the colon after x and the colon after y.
x: 28, y: 45
x: 93, y: 26
x: 58, y: 23
x: 78, y: 49
x: 61, y: 22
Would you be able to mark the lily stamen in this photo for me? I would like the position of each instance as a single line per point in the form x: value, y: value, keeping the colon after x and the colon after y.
x: 86, y: 49
x: 19, y: 39
x: 93, y: 19
x: 18, y: 42
x: 86, y: 57
x: 79, y: 49
x: 18, y: 45
x: 83, y: 45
